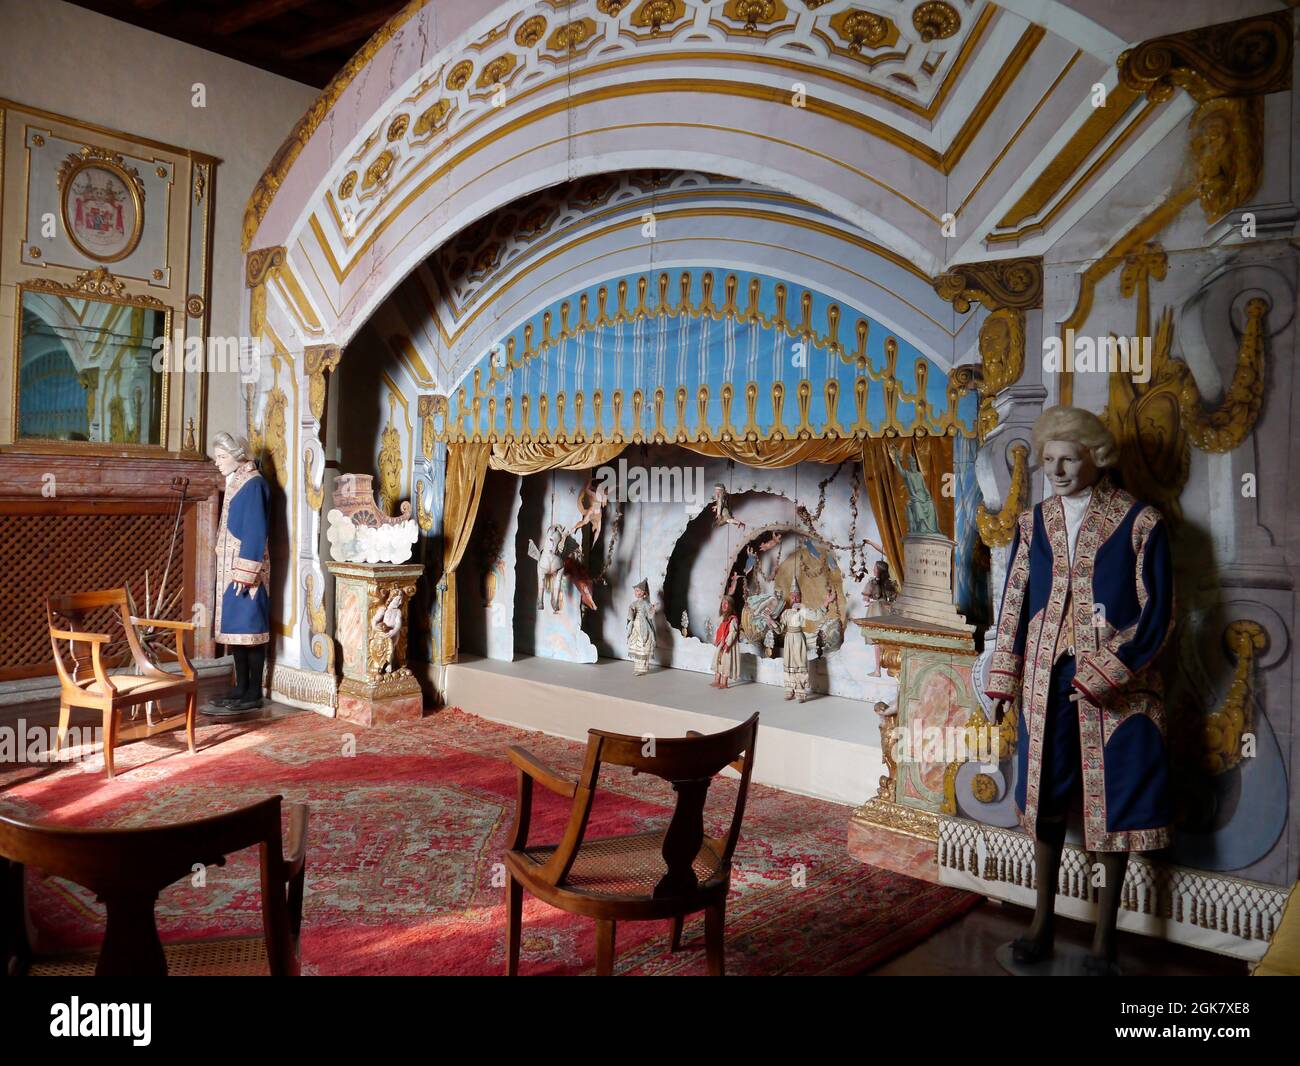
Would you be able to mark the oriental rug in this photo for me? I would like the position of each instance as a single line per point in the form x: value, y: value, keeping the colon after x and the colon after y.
x: 407, y: 827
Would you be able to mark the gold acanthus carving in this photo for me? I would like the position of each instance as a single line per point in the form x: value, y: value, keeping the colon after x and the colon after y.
x: 754, y: 13
x: 260, y: 262
x: 1011, y: 283
x: 570, y: 35
x: 459, y: 75
x: 656, y: 14
x: 97, y: 282
x: 432, y: 118
x: 1225, y: 727
x: 996, y: 530
x: 1224, y: 427
x: 390, y: 463
x: 530, y: 31
x: 1248, y: 57
x: 1154, y: 422
x: 319, y: 360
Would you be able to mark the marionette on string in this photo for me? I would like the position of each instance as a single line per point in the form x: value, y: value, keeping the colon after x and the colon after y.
x: 242, y: 620
x: 641, y: 628
x: 726, y: 650
x: 794, y: 640
x: 1087, y: 607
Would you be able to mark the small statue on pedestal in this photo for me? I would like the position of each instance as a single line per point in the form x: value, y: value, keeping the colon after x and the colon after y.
x: 726, y: 655
x: 641, y: 628
x: 387, y: 627
x: 922, y: 517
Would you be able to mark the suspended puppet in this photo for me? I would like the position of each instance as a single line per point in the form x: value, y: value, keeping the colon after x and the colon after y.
x: 641, y: 628
x: 550, y: 567
x: 590, y: 512
x: 1087, y: 607
x: 243, y: 573
x: 722, y: 515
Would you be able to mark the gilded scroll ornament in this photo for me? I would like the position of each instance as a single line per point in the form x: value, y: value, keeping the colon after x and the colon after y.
x: 530, y: 31
x: 432, y: 118
x: 657, y: 14
x: 1224, y: 427
x: 996, y: 530
x: 322, y: 643
x: 861, y: 29
x: 1013, y: 283
x: 1225, y: 727
x: 1244, y: 58
x: 319, y: 360
x: 390, y: 465
x: 259, y: 264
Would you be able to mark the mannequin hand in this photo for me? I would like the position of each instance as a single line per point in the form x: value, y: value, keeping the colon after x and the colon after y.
x: 1076, y: 696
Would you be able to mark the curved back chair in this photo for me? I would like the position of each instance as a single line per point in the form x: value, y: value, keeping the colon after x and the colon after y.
x: 83, y: 684
x: 127, y: 868
x: 668, y: 873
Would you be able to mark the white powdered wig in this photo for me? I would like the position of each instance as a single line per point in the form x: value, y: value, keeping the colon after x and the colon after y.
x: 1078, y: 426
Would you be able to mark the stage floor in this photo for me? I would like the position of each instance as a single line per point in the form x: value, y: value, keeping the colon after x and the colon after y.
x: 828, y: 747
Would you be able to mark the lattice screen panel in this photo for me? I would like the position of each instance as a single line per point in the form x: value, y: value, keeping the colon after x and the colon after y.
x: 54, y: 554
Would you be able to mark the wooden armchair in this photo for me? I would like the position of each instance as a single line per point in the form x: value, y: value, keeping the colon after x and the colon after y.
x: 94, y: 688
x: 643, y: 876
x: 127, y: 868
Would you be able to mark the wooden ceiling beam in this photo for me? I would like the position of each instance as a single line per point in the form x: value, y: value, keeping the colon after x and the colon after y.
x: 341, y: 33
x: 252, y: 13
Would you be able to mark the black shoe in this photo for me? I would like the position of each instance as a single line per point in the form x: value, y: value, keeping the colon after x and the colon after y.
x: 250, y: 703
x: 227, y: 698
x: 1028, y: 952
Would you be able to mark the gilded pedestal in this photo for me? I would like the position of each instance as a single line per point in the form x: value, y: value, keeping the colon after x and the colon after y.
x: 371, y: 602
x: 932, y: 729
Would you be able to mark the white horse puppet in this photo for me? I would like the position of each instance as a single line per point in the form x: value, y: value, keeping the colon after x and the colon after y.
x: 550, y: 566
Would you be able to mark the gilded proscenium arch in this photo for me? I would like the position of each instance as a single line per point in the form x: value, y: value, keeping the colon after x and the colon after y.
x: 842, y: 65
x: 1028, y: 39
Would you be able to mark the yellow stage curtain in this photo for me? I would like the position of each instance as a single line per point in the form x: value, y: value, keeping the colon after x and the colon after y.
x: 889, y: 497
x: 773, y: 454
x: 467, y: 466
x: 532, y: 457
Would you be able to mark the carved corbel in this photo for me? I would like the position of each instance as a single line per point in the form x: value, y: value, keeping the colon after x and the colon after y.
x: 1227, y: 69
x: 996, y: 530
x: 1008, y: 288
x: 1224, y: 427
x: 319, y: 360
x: 258, y: 267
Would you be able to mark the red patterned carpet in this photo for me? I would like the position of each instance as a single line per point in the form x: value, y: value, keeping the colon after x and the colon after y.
x: 406, y: 834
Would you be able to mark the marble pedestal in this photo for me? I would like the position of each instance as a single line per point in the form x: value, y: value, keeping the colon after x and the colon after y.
x: 377, y: 686
x: 927, y: 583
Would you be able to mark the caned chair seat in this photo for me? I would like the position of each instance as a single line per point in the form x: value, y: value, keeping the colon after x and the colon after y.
x: 648, y: 876
x: 135, y: 685
x: 238, y: 957
x: 126, y: 869
x: 626, y: 867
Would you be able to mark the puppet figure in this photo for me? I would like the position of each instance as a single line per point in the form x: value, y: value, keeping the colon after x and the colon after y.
x: 722, y: 515
x: 591, y: 511
x: 578, y: 577
x: 882, y: 590
x: 1087, y: 607
x: 242, y: 619
x: 726, y: 654
x: 641, y: 628
x: 794, y: 649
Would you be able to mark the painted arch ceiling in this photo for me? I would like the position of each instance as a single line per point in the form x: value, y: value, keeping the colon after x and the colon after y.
x: 453, y: 165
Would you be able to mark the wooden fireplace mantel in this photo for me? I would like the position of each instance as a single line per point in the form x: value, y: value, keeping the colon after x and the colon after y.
x: 75, y: 522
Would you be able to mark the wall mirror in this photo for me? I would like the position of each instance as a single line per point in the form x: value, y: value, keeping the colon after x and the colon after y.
x: 87, y: 369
